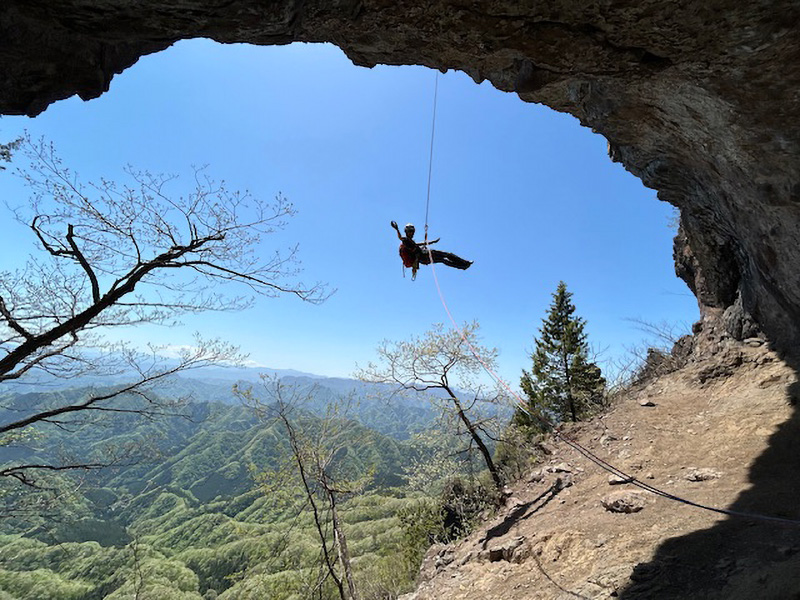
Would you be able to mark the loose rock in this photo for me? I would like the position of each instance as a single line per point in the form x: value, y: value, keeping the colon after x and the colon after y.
x: 436, y: 559
x: 513, y: 550
x: 624, y: 502
x: 564, y: 481
x: 546, y: 448
x: 617, y: 480
x: 560, y: 468
x: 702, y: 474
x: 537, y: 476
x: 608, y: 437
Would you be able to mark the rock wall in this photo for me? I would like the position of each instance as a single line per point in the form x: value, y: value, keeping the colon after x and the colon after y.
x: 698, y: 99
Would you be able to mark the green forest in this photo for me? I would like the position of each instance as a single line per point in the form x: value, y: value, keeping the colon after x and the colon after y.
x: 197, y: 508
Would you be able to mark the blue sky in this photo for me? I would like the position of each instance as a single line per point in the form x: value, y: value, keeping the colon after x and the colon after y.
x: 525, y: 192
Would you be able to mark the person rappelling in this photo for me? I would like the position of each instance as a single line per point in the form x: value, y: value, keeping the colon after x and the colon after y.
x: 416, y: 253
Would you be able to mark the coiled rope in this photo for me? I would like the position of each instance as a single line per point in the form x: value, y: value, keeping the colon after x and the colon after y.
x: 520, y: 403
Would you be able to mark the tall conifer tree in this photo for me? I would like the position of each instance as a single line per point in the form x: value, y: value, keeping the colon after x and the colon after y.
x: 563, y: 384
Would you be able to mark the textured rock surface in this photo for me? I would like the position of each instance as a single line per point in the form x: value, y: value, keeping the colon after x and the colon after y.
x: 699, y: 99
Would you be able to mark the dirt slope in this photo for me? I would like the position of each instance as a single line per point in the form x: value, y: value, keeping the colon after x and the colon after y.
x: 722, y: 432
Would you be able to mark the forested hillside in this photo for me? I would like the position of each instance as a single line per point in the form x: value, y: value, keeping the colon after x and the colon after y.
x: 186, y: 514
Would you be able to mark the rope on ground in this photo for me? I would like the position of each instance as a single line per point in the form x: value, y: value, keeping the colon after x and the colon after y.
x: 585, y: 452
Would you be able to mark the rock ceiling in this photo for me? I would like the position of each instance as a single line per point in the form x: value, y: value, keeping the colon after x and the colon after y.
x: 698, y: 99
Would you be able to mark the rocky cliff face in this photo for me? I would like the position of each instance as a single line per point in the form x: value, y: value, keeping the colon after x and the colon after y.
x: 698, y: 99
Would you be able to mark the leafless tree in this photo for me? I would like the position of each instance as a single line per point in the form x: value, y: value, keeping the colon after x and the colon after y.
x: 442, y: 360
x: 115, y: 255
x: 664, y: 349
x: 662, y: 334
x: 317, y: 448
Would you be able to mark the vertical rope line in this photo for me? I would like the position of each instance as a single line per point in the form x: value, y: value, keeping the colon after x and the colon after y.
x: 520, y: 403
x: 430, y: 157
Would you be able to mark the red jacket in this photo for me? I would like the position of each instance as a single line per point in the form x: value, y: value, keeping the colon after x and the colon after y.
x: 409, y: 252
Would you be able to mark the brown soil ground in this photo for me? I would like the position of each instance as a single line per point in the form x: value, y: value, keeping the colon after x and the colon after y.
x: 734, y: 415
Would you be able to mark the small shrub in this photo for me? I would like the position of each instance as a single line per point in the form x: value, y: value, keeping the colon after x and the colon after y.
x: 518, y: 451
x: 450, y: 516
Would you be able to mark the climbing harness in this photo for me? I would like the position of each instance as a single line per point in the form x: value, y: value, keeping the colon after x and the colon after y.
x: 520, y: 403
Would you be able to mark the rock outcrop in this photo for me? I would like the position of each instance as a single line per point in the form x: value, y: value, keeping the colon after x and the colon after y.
x: 698, y: 99
x: 728, y: 442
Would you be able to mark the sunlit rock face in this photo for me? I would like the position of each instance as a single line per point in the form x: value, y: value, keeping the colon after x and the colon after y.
x: 698, y: 99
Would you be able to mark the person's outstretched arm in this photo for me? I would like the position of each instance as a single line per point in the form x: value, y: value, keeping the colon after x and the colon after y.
x: 428, y: 243
x: 397, y: 229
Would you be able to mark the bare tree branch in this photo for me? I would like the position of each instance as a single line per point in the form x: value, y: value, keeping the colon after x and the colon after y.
x: 113, y: 255
x: 428, y: 363
x: 83, y: 263
x: 12, y: 322
x: 315, y: 452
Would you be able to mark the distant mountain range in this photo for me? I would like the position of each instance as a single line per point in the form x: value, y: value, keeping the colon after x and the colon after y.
x: 213, y: 448
x: 37, y: 381
x: 384, y: 408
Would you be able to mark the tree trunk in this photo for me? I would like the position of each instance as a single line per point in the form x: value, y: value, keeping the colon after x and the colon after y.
x: 298, y: 456
x: 487, y: 456
x: 568, y: 381
x: 341, y: 540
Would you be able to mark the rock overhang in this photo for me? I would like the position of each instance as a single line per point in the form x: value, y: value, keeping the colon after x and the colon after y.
x: 699, y: 100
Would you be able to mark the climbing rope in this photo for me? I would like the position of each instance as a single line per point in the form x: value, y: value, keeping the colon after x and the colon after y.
x: 520, y: 403
x: 588, y: 454
x: 430, y: 157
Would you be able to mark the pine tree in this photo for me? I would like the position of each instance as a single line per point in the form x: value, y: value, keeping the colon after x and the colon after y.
x: 563, y: 384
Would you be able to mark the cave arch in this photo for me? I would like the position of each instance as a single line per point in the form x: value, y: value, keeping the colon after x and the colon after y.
x: 698, y: 100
